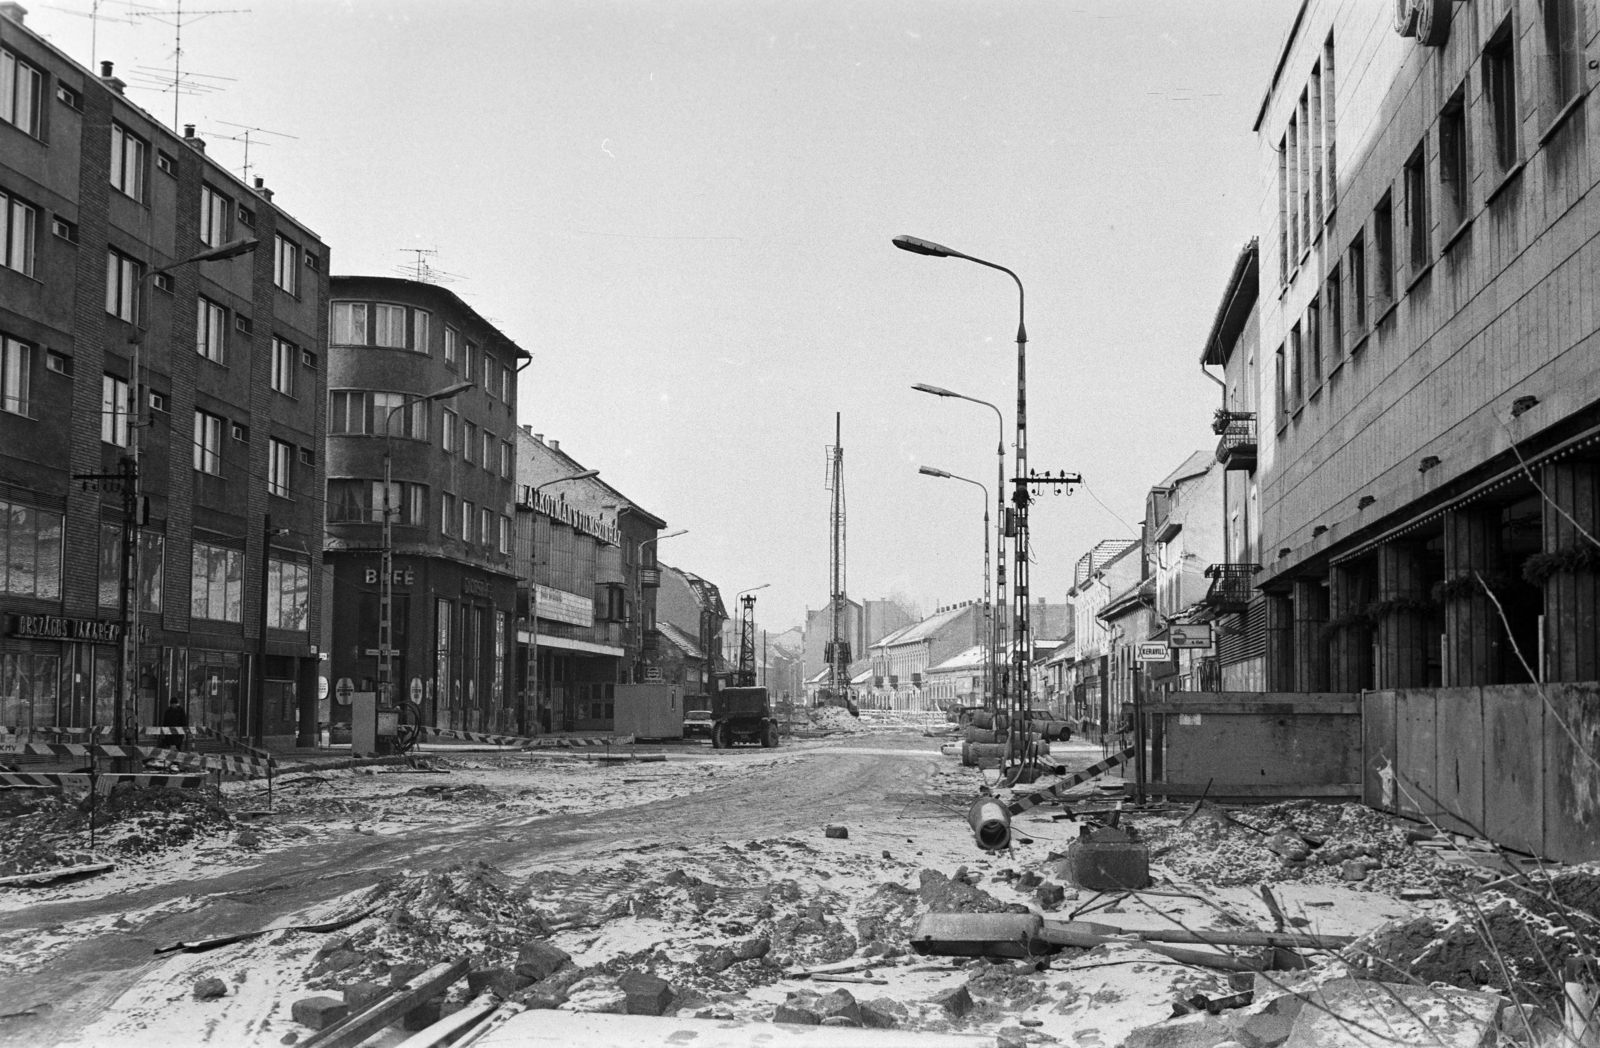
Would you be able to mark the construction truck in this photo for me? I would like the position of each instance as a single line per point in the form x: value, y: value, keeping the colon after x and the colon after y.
x: 742, y: 715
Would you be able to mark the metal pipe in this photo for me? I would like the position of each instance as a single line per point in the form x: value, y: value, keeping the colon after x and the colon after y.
x: 991, y: 824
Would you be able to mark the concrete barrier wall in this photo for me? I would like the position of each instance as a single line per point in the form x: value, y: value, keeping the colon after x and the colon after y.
x: 1516, y: 763
x: 1257, y: 745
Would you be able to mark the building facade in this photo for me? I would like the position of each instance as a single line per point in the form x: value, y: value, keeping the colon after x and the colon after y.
x: 193, y: 581
x: 1430, y: 419
x: 391, y: 344
x: 694, y: 608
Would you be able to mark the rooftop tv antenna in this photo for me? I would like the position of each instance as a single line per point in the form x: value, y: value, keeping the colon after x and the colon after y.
x: 244, y: 136
x: 423, y: 273
x: 95, y: 18
x: 177, y: 18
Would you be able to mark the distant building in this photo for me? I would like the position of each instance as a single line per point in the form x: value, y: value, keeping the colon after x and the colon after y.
x: 101, y: 210
x: 695, y: 609
x: 902, y: 658
x: 451, y: 498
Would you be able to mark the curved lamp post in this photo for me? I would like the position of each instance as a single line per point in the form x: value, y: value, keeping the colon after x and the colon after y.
x: 1021, y: 643
x: 989, y: 668
x: 533, y: 599
x: 639, y: 597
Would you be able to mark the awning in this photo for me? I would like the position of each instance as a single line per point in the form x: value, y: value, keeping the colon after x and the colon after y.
x: 547, y: 641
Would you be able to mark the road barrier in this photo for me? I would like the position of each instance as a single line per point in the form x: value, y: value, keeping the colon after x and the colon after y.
x: 542, y: 741
x: 247, y: 767
x: 1033, y: 800
x: 103, y: 783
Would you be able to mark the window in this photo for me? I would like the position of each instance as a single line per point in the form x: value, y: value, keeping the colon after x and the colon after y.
x: 284, y: 357
x: 1328, y: 142
x: 67, y: 231
x: 420, y: 340
x: 447, y: 513
x: 1416, y: 184
x: 389, y: 326
x: 69, y: 98
x: 1314, y: 343
x: 127, y: 162
x: 280, y: 460
x: 448, y: 437
x: 211, y: 330
x: 16, y: 371
x: 1562, y: 53
x: 158, y: 401
x: 485, y: 526
x: 114, y: 410
x: 165, y: 282
x: 247, y: 217
x: 311, y: 260
x: 1453, y: 173
x: 1281, y: 386
x: 288, y: 594
x: 308, y: 359
x: 506, y: 386
x: 471, y: 362
x: 1296, y: 364
x: 214, y: 211
x: 243, y: 324
x: 241, y: 432
x: 21, y: 91
x: 151, y: 563
x: 349, y: 323
x: 1303, y: 182
x: 122, y: 286
x: 505, y: 460
x: 30, y: 551
x: 444, y: 615
x: 216, y: 578
x: 167, y: 163
x: 355, y: 412
x: 505, y: 534
x: 1358, y: 283
x: 1383, y: 248
x: 488, y: 451
x: 18, y: 224
x: 469, y: 443
x: 60, y: 363
x: 207, y: 443
x: 286, y: 264
x: 1283, y: 210
x: 1333, y: 295
x: 466, y: 520
x: 450, y: 337
x: 1500, y: 88
x: 308, y: 456
x: 490, y: 373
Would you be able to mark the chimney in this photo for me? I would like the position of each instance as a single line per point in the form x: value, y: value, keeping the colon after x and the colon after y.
x: 192, y: 140
x: 536, y: 436
x: 15, y: 12
x: 109, y: 80
x: 528, y: 429
x: 261, y: 189
x: 555, y: 445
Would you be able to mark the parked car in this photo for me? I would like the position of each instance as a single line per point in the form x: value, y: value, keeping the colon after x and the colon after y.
x: 697, y: 722
x: 1049, y: 726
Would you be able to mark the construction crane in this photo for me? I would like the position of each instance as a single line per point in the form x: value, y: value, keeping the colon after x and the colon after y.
x: 838, y: 652
x: 745, y: 676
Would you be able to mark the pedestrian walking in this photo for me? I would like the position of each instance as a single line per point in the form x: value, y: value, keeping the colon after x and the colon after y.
x: 174, y: 716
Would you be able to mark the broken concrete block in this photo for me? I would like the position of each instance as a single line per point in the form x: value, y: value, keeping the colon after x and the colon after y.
x: 1107, y: 866
x: 720, y: 959
x: 502, y: 982
x: 401, y: 974
x: 646, y: 994
x: 957, y: 1001
x: 882, y: 1013
x: 539, y: 959
x: 838, y: 833
x: 1353, y: 870
x: 789, y: 1012
x: 1050, y: 895
x: 1029, y: 880
x: 840, y: 1002
x: 361, y: 993
x: 1407, y: 1015
x: 1196, y: 1030
x: 317, y: 1012
x: 1288, y: 845
x: 597, y: 993
x: 209, y: 987
x: 752, y: 949
x: 841, y: 1020
x: 338, y: 961
x: 289, y: 1038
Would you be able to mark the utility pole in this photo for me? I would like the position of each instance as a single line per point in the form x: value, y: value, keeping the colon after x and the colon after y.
x: 838, y: 653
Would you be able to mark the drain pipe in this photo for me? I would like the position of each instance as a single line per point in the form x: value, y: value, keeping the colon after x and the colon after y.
x: 991, y: 823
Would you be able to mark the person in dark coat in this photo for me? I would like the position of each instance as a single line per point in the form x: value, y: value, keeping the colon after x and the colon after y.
x: 174, y: 716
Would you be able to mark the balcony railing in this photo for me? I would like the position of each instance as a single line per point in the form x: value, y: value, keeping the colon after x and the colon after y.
x: 1237, y: 448
x: 1232, y: 586
x: 650, y: 578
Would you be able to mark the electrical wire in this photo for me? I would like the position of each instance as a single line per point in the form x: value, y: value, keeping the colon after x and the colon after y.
x: 1131, y: 529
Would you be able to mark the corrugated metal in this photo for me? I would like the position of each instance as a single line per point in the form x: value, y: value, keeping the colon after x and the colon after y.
x: 1243, y: 637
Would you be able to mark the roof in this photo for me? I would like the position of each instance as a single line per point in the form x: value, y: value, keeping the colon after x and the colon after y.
x: 926, y: 629
x: 435, y: 289
x: 574, y: 466
x: 972, y: 657
x: 1283, y: 59
x: 1198, y: 464
x: 679, y: 638
x: 1238, y: 298
x: 1129, y: 599
x: 706, y: 593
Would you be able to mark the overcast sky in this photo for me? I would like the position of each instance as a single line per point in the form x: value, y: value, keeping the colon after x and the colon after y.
x: 684, y: 210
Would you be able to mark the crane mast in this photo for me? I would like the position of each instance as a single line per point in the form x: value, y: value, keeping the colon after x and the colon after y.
x: 838, y: 652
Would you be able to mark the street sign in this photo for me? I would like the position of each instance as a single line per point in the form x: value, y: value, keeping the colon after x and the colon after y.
x: 1154, y: 651
x: 322, y: 687
x: 345, y: 688
x: 416, y: 689
x: 1190, y: 635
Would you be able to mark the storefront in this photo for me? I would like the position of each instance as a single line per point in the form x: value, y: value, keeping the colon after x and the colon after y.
x: 58, y: 671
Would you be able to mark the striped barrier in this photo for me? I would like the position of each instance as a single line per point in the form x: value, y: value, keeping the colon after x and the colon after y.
x: 518, y: 740
x: 1033, y: 800
x: 103, y: 783
x: 245, y: 766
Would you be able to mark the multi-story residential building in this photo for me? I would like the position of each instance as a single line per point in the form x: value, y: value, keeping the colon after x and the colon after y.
x: 899, y: 660
x: 1183, y: 529
x: 393, y: 344
x: 1232, y: 603
x: 572, y: 603
x: 694, y: 607
x: 632, y: 579
x: 123, y: 355
x: 1110, y: 569
x: 958, y: 680
x: 1428, y: 427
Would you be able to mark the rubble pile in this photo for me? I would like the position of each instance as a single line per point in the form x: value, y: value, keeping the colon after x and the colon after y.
x: 835, y: 718
x: 42, y: 829
x: 1318, y: 843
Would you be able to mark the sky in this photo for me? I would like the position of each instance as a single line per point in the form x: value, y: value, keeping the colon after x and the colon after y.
x: 684, y: 210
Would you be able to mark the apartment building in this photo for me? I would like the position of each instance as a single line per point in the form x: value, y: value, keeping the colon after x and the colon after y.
x: 421, y: 419
x: 1428, y: 403
x: 162, y: 382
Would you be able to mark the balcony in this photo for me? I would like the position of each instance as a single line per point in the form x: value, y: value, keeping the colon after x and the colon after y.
x: 1232, y: 588
x: 650, y: 578
x: 1237, y: 448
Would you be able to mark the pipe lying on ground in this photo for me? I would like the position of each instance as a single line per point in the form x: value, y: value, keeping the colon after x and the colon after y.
x: 991, y: 824
x: 449, y: 1028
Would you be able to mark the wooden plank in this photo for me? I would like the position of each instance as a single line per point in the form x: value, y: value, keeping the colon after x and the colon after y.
x: 1270, y: 709
x: 1247, y: 698
x: 1255, y: 789
x: 1514, y: 763
x: 1458, y: 773
x: 363, y: 1024
x: 1378, y: 746
x: 1416, y: 754
x: 1571, y: 775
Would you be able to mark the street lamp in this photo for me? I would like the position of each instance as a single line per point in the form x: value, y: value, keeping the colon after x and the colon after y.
x: 989, y: 667
x: 386, y: 581
x: 128, y: 611
x: 639, y: 597
x: 533, y: 597
x: 1020, y: 641
x: 998, y: 641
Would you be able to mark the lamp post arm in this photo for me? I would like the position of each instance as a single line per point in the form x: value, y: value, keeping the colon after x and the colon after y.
x: 1022, y: 330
